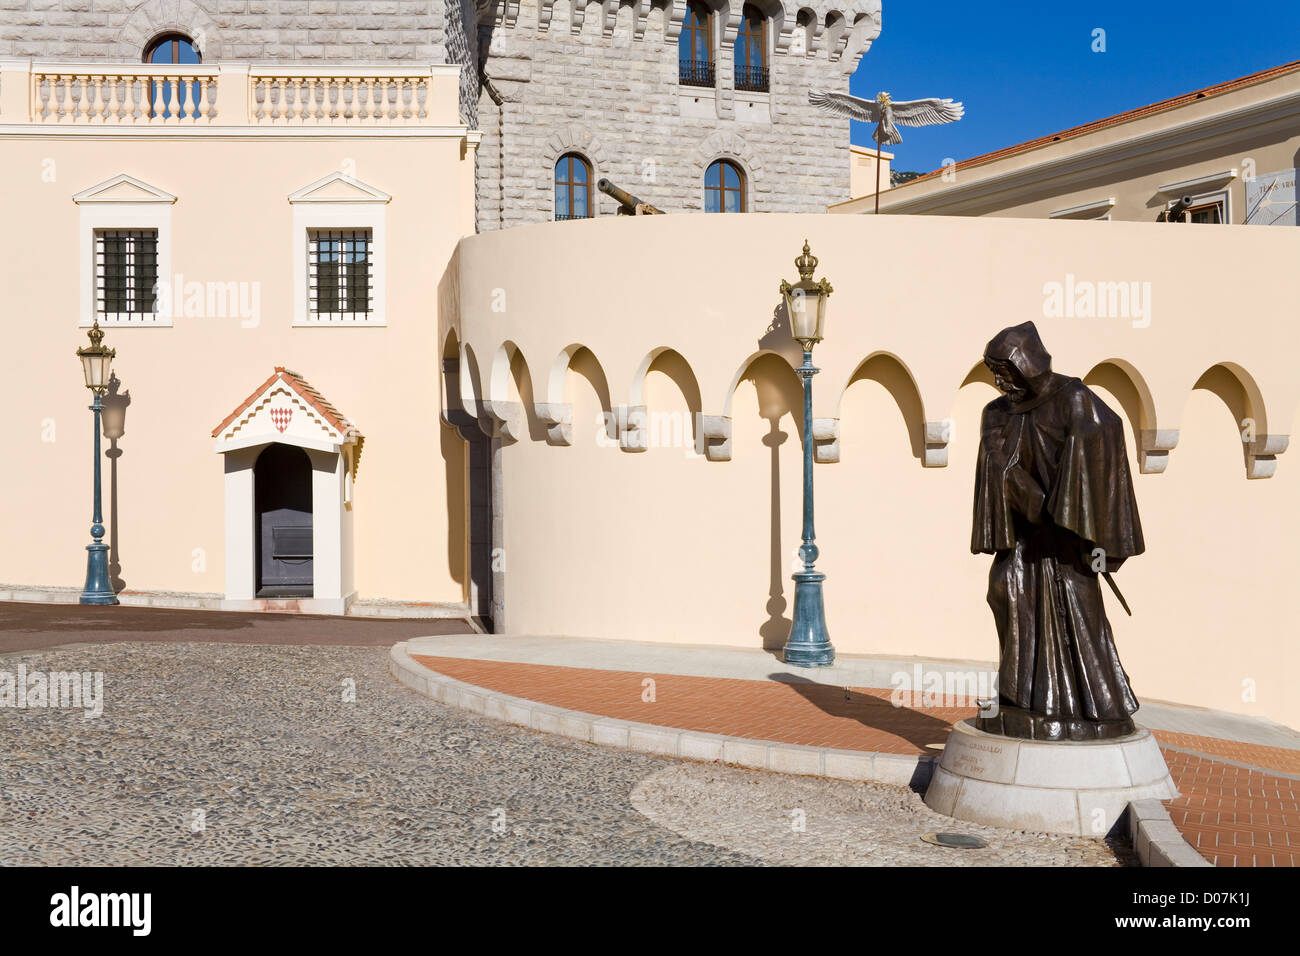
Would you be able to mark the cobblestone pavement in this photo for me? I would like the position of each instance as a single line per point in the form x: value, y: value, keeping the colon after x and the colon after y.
x: 257, y: 743
x: 807, y: 821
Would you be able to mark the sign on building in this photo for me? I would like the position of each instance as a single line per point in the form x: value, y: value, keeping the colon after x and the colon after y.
x: 1271, y: 199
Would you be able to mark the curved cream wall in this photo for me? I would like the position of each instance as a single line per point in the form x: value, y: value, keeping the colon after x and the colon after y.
x: 665, y: 545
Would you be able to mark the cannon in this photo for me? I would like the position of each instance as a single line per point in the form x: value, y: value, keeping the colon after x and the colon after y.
x: 628, y: 205
x: 1176, y: 212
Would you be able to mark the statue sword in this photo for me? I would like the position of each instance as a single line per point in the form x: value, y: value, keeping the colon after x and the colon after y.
x: 1115, y: 587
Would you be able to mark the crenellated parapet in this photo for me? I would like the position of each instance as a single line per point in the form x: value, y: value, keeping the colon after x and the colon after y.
x: 835, y: 30
x: 712, y: 329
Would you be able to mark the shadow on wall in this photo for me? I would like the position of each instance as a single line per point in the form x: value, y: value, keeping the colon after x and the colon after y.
x: 779, y: 394
x: 113, y: 422
x: 523, y: 380
x: 585, y: 364
x: 778, y: 337
x: 888, y: 372
x: 671, y: 364
x: 1220, y: 381
x: 466, y: 455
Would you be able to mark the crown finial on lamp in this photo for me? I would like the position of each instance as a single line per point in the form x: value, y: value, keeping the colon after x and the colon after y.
x: 806, y: 263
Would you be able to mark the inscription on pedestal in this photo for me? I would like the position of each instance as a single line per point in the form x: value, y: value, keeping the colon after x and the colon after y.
x: 967, y: 760
x: 985, y: 758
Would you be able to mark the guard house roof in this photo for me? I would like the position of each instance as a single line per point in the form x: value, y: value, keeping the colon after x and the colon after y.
x: 304, y: 389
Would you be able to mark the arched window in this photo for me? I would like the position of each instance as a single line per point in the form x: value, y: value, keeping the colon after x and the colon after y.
x: 695, y: 47
x: 172, y: 48
x: 573, y: 188
x: 751, y: 51
x: 166, y: 50
x: 724, y: 188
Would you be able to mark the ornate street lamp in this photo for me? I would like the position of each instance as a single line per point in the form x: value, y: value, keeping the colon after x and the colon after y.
x: 96, y: 363
x: 808, y: 644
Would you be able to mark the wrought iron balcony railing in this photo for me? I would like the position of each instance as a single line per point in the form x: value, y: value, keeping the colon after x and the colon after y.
x: 751, y: 78
x: 696, y: 73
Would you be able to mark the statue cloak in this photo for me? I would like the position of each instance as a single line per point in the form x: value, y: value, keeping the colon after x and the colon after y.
x: 1052, y: 484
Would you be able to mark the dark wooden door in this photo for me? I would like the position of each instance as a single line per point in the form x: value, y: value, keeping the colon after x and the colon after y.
x: 282, y: 488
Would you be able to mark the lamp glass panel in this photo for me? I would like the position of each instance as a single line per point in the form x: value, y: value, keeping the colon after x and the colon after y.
x: 95, y: 366
x: 802, y: 306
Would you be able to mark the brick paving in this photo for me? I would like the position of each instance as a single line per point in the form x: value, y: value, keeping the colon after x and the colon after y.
x: 1234, y: 816
x: 1269, y: 758
x: 798, y: 712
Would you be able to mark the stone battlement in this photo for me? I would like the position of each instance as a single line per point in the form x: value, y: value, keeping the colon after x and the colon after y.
x: 833, y: 30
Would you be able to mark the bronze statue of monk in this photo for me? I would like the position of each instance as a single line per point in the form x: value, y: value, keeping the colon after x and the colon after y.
x: 1054, y: 506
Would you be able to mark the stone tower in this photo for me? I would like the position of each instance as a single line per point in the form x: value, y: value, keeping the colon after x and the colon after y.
x: 603, y: 80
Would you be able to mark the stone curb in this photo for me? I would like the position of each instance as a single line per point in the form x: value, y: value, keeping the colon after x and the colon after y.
x: 187, y: 600
x: 200, y: 601
x: 897, y: 769
x: 1156, y: 840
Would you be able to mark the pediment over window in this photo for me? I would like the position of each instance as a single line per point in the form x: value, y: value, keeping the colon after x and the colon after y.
x: 286, y: 409
x: 339, y: 187
x: 125, y: 189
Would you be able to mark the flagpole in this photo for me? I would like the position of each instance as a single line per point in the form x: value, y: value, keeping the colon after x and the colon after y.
x: 877, y: 172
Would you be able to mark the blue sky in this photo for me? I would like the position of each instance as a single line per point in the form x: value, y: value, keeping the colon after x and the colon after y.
x: 1025, y: 69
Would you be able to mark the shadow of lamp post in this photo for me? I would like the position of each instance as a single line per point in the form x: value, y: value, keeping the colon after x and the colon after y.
x: 96, y: 362
x: 808, y: 644
x: 113, y: 416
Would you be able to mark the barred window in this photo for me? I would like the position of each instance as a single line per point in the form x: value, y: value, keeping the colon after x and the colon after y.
x: 126, y: 274
x: 339, y: 274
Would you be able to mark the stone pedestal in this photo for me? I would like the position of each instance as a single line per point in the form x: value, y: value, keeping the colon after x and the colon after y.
x: 1075, y: 787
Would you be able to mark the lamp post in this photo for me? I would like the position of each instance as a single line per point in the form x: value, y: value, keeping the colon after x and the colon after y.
x: 808, y: 644
x: 96, y: 361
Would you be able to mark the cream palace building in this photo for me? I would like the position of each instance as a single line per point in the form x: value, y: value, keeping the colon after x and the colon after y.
x: 334, y: 393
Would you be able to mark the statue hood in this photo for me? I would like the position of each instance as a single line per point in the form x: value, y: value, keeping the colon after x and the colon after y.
x: 1021, y: 347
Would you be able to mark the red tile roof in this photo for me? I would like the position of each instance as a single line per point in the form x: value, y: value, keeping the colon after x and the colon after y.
x: 1114, y: 120
x: 304, y: 390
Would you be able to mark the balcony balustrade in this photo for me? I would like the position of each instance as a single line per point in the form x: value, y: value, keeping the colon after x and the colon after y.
x: 236, y: 94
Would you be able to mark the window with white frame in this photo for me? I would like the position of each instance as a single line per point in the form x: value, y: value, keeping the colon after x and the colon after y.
x: 338, y: 253
x: 1211, y: 211
x: 1210, y: 198
x: 126, y: 275
x: 1212, y: 208
x: 339, y: 276
x: 125, y: 237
